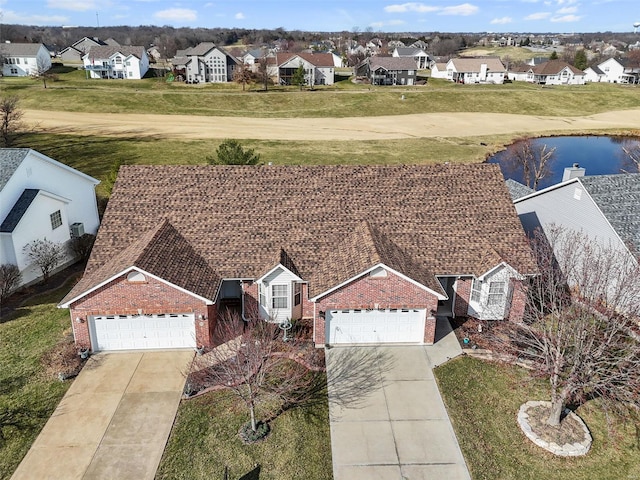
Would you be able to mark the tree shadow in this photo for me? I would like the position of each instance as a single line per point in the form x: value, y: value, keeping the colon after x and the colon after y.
x: 252, y: 475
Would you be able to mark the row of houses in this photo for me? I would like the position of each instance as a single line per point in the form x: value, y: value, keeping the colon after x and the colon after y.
x: 162, y: 271
x: 550, y: 72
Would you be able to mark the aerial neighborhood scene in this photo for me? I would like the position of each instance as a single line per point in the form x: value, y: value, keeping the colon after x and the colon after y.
x: 294, y: 241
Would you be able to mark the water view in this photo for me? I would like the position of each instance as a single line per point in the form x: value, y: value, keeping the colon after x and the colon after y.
x: 599, y: 155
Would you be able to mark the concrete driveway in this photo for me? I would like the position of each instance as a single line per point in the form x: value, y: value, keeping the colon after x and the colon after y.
x: 114, y: 421
x: 397, y: 427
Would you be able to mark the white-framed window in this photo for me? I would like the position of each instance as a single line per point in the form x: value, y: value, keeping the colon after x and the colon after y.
x: 56, y: 219
x: 496, y: 293
x: 297, y: 294
x: 476, y: 290
x: 279, y: 296
x: 262, y: 298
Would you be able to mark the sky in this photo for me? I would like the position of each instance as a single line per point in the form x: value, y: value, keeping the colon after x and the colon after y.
x: 531, y: 16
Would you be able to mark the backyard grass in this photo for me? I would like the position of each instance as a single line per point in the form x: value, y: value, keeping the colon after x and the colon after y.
x: 72, y: 92
x: 483, y: 400
x: 27, y: 395
x: 204, y: 441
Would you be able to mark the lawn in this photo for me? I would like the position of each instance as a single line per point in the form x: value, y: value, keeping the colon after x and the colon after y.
x: 483, y: 400
x: 204, y: 441
x: 72, y: 92
x: 28, y: 395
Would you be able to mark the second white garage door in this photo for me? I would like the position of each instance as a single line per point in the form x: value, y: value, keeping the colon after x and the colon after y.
x: 376, y: 326
x: 133, y: 332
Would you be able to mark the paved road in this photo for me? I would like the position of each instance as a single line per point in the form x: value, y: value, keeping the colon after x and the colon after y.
x: 455, y: 124
x: 398, y: 427
x: 114, y: 421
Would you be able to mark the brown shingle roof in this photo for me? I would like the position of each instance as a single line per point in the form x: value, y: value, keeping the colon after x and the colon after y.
x: 392, y: 63
x: 554, y: 67
x: 494, y: 64
x: 316, y: 59
x: 106, y: 51
x: 328, y: 223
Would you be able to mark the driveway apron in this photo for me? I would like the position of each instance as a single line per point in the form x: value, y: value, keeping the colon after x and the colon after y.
x: 398, y: 428
x: 113, y: 422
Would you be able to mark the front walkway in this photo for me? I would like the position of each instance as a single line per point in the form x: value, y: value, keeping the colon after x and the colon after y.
x: 398, y: 427
x: 114, y: 421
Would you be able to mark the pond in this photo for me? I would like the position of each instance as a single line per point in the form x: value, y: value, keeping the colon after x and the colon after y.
x: 599, y: 155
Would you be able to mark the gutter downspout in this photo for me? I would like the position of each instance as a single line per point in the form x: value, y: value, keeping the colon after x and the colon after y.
x: 244, y: 319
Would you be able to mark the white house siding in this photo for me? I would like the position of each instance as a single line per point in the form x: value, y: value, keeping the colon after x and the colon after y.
x: 324, y: 76
x: 613, y: 71
x: 17, y: 65
x: 279, y: 277
x: 60, y: 186
x: 571, y: 206
x: 591, y: 76
x: 565, y: 77
x: 482, y: 307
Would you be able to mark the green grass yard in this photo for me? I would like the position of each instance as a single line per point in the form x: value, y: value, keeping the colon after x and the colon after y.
x: 204, y: 441
x: 73, y: 92
x: 28, y: 395
x: 483, y: 399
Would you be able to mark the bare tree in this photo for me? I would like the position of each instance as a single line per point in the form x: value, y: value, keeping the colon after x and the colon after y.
x: 580, y: 328
x: 255, y: 364
x: 43, y: 71
x: 45, y: 254
x: 534, y: 162
x: 263, y: 71
x: 11, y: 124
x: 633, y: 158
x: 9, y: 279
x: 242, y: 74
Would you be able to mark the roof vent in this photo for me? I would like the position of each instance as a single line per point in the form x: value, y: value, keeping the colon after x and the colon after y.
x: 573, y: 172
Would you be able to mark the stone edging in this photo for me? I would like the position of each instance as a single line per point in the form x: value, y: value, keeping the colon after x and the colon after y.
x: 566, y: 450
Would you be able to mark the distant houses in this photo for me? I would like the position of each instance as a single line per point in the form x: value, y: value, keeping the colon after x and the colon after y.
x: 24, y: 59
x: 116, y: 62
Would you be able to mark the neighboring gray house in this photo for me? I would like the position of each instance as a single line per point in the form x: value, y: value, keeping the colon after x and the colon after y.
x: 24, y: 59
x: 388, y: 70
x: 206, y: 63
x: 421, y: 57
x: 605, y: 207
x: 77, y: 50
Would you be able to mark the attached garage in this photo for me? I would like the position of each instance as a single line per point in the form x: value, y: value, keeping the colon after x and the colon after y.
x: 375, y: 326
x: 138, y: 332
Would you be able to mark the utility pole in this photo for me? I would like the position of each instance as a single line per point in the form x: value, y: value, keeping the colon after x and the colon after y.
x: 98, y: 19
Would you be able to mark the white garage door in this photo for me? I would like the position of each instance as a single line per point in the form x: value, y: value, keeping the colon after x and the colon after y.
x: 376, y: 326
x: 133, y: 332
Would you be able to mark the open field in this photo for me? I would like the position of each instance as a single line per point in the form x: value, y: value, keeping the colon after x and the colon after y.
x: 517, y: 54
x: 483, y: 400
x: 73, y: 93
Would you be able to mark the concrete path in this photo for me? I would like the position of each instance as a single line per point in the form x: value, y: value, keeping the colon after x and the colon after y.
x: 398, y: 428
x: 114, y: 421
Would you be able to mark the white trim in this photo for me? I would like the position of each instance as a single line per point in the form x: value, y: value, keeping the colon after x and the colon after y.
x: 279, y: 265
x: 368, y: 270
x: 125, y: 271
x: 501, y: 264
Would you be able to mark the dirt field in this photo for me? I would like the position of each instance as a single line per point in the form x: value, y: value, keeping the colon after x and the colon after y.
x: 323, y: 129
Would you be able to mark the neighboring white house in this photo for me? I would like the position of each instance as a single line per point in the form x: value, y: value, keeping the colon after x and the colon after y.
x: 606, y: 208
x: 615, y: 71
x: 206, y: 63
x: 476, y: 70
x: 421, y: 57
x: 109, y: 62
x: 555, y: 72
x: 439, y: 70
x: 593, y: 74
x: 41, y: 198
x: 24, y: 59
x: 318, y: 67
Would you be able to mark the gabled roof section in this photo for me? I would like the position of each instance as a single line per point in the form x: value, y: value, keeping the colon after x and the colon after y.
x: 618, y: 197
x: 107, y: 51
x: 409, y: 51
x: 163, y: 252
x: 12, y: 158
x: 517, y: 189
x: 391, y: 63
x: 554, y: 67
x: 19, y: 209
x: 315, y: 59
x: 20, y: 49
x: 201, y: 49
x: 426, y: 220
x: 494, y: 64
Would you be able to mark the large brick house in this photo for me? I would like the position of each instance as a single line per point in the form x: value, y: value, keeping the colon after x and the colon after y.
x: 368, y: 254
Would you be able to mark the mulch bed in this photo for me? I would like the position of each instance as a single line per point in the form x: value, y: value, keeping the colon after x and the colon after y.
x: 569, y: 430
x: 483, y: 334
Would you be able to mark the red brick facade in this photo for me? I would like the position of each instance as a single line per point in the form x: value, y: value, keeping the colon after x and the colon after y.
x: 122, y: 297
x: 365, y: 292
x: 518, y: 300
x: 463, y: 294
